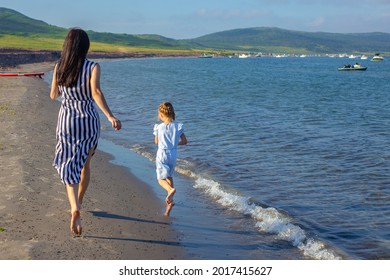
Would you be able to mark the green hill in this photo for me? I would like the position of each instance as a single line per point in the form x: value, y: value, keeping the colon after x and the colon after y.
x: 18, y: 31
x: 264, y: 39
x: 15, y: 23
x: 22, y: 32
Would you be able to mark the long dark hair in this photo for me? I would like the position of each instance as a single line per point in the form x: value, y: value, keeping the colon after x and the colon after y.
x: 74, y: 52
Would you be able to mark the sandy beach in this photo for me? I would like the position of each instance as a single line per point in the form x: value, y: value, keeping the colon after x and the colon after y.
x: 122, y: 219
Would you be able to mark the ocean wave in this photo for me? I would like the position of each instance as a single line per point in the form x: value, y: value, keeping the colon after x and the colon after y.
x: 267, y: 219
x: 143, y: 151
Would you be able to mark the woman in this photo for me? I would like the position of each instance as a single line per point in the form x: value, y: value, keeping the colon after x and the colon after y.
x: 77, y: 81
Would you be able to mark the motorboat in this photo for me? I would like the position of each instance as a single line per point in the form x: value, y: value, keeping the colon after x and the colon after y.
x: 377, y: 57
x: 364, y: 57
x: 355, y: 67
x: 243, y: 55
x: 206, y: 56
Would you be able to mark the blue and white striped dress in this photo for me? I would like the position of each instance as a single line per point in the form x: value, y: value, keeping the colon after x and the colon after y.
x: 78, y: 127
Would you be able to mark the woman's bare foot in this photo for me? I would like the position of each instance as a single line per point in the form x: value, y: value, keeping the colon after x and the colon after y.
x: 169, y: 208
x: 170, y: 195
x: 75, y: 223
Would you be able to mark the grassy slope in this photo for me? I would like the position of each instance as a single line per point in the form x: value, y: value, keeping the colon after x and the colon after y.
x: 19, y: 31
x: 37, y: 42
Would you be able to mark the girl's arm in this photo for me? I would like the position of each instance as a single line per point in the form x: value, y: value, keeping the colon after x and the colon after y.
x: 100, y: 100
x: 183, y: 140
x: 156, y: 140
x: 54, y: 92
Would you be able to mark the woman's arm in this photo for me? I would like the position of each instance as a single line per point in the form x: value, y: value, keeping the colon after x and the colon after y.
x: 99, y: 98
x: 54, y: 92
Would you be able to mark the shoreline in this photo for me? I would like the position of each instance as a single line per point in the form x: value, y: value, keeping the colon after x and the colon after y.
x: 18, y: 57
x: 121, y: 216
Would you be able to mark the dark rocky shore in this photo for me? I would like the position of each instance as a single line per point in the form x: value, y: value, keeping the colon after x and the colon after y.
x: 14, y: 57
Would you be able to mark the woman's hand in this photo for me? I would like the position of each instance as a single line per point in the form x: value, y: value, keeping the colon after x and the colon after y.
x: 116, y: 124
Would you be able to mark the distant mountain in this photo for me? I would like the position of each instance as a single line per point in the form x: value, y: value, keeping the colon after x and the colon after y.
x: 260, y: 39
x: 276, y: 39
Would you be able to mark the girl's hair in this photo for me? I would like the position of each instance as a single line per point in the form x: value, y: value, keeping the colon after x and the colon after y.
x: 166, y: 108
x: 74, y: 53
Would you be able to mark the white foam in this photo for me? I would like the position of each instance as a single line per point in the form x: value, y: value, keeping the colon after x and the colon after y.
x: 143, y: 152
x: 268, y: 219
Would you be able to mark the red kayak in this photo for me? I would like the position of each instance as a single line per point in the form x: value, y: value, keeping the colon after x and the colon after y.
x: 22, y: 74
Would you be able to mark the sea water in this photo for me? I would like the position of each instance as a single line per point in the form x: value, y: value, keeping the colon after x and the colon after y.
x: 287, y: 158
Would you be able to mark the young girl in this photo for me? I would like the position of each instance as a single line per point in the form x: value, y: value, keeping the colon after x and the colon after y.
x: 167, y: 135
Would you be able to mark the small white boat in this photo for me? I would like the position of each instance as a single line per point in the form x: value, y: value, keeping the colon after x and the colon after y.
x: 377, y: 57
x: 243, y: 55
x: 206, y: 56
x: 281, y: 55
x: 364, y: 57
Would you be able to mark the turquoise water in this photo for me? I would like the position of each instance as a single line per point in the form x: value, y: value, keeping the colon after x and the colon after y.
x: 288, y: 158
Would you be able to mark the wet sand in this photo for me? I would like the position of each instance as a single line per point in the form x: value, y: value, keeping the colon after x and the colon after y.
x: 121, y: 217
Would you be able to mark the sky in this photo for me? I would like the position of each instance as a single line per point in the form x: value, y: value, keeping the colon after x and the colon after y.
x: 182, y: 19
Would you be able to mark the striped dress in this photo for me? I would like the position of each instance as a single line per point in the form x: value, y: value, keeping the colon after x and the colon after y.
x: 78, y: 127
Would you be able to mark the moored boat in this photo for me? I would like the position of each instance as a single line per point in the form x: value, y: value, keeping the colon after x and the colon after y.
x: 243, y: 55
x: 377, y: 57
x: 206, y: 56
x: 355, y: 67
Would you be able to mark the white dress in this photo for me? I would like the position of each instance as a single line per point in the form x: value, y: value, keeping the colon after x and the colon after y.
x: 168, y: 139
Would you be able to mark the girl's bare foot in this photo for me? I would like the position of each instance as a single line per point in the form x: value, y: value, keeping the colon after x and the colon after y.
x: 170, y: 195
x: 169, y: 208
x: 75, y: 223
